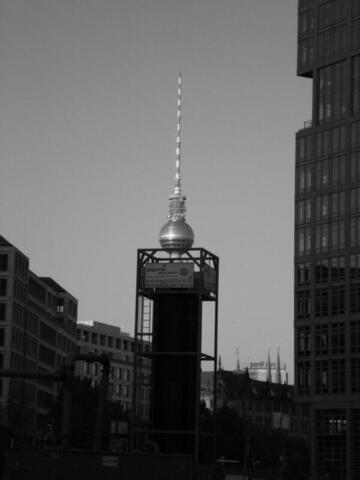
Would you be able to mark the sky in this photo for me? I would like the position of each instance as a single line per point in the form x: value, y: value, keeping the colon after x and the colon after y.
x: 88, y: 95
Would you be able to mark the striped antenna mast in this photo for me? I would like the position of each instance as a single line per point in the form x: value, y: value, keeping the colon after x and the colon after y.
x: 177, y: 186
x: 177, y: 199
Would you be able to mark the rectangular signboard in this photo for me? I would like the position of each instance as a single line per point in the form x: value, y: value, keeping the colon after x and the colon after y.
x: 169, y: 275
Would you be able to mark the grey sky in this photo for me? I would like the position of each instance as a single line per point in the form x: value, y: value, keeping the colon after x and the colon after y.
x: 87, y: 134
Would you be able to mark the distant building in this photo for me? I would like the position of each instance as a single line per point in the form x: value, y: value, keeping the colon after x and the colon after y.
x: 260, y: 371
x: 37, y: 333
x: 263, y: 403
x: 97, y: 337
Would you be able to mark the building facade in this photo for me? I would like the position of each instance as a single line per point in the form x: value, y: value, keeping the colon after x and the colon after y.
x: 262, y: 403
x: 327, y: 236
x: 98, y: 338
x: 37, y: 334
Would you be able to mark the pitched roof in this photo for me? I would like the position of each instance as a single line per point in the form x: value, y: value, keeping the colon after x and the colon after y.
x: 4, y: 242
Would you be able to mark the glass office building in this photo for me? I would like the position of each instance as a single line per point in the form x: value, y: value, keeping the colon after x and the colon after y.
x: 327, y: 236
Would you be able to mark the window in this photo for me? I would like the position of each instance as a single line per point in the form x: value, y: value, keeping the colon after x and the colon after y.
x: 322, y: 339
x: 322, y: 207
x: 304, y: 148
x: 110, y: 342
x: 331, y: 428
x: 102, y: 340
x: 322, y: 270
x: 354, y: 297
x: 303, y: 273
x: 306, y: 21
x: 337, y: 300
x: 94, y: 338
x: 304, y: 241
x: 356, y: 85
x: 354, y: 231
x: 322, y: 174
x: 338, y: 376
x: 338, y: 170
x: 2, y: 336
x: 337, y: 338
x: 355, y: 266
x: 337, y: 268
x: 355, y: 167
x: 303, y: 304
x: 85, y: 336
x: 337, y: 235
x: 304, y: 377
x: 321, y: 308
x: 331, y: 93
x: 3, y: 262
x: 304, y: 178
x: 60, y: 305
x: 304, y: 211
x: 355, y: 134
x: 322, y: 238
x: 355, y: 8
x: 332, y: 42
x: 338, y: 204
x: 306, y: 51
x: 355, y: 374
x: 322, y: 376
x: 355, y: 34
x: 3, y: 287
x: 303, y: 341
x: 2, y: 312
x: 355, y: 200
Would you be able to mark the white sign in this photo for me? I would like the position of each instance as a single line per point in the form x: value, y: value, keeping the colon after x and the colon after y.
x: 169, y: 275
x: 108, y: 461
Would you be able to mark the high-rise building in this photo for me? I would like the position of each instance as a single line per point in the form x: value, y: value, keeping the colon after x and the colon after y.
x: 37, y: 334
x: 327, y: 236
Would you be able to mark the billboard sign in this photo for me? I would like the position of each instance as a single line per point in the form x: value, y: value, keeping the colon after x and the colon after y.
x: 169, y: 275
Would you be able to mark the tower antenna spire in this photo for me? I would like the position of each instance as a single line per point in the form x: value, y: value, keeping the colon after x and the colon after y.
x: 177, y: 185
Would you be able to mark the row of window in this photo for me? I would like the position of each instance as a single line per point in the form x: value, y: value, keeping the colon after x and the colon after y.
x: 104, y: 340
x: 327, y: 301
x: 327, y: 206
x: 328, y: 14
x: 329, y: 339
x: 329, y: 376
x: 328, y: 270
x: 328, y: 172
x: 328, y: 236
x: 330, y: 43
x: 328, y: 142
x: 116, y: 373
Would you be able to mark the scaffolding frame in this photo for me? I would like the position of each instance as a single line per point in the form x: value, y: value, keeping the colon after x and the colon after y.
x: 205, y: 287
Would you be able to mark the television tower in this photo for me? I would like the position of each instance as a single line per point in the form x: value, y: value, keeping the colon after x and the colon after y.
x: 173, y: 283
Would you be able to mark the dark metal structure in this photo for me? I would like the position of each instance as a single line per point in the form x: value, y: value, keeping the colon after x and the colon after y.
x: 168, y: 357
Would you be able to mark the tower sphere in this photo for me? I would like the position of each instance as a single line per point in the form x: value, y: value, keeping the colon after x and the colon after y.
x: 176, y: 235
